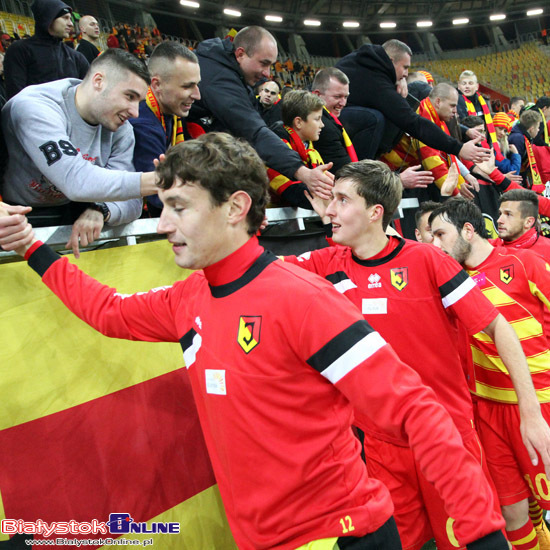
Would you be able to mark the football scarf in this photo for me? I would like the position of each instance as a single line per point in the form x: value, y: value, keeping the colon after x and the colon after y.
x: 488, y: 121
x: 537, y: 185
x: 545, y: 128
x: 347, y: 141
x: 177, y: 127
x: 427, y: 110
x: 310, y: 156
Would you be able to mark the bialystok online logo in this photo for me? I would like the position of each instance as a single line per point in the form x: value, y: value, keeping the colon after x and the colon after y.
x: 118, y: 524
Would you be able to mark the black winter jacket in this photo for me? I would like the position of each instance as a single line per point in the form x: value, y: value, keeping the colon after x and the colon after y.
x: 372, y: 84
x: 232, y: 105
x: 41, y: 58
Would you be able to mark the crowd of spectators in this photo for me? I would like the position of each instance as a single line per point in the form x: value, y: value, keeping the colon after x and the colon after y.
x: 84, y: 128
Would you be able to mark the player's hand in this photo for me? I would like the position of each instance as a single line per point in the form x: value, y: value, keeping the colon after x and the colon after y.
x: 451, y: 181
x: 16, y: 233
x: 470, y: 151
x: 319, y: 205
x: 493, y: 541
x: 415, y: 178
x: 512, y: 176
x: 86, y: 229
x: 318, y: 180
x: 536, y: 437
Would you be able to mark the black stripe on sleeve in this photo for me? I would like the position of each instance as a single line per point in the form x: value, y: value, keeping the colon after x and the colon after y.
x: 339, y: 345
x: 453, y: 284
x: 337, y: 277
x: 42, y: 258
x: 186, y: 340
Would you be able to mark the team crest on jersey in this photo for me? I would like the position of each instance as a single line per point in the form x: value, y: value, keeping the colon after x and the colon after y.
x: 507, y: 274
x: 399, y: 277
x: 249, y: 332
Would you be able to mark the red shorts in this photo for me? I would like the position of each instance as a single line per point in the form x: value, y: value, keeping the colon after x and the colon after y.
x: 419, y: 511
x: 514, y: 475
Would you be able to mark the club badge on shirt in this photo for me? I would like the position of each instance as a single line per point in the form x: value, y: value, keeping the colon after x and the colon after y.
x: 399, y: 277
x: 507, y: 274
x: 248, y: 336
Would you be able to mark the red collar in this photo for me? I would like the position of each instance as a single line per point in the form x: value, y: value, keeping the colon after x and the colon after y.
x: 527, y: 240
x: 233, y: 266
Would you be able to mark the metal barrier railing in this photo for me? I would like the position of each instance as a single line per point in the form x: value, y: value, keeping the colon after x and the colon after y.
x: 146, y: 229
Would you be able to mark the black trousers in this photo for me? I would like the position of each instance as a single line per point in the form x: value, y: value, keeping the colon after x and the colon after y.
x: 384, y: 538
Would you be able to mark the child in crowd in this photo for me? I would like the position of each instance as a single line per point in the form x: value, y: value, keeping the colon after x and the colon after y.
x: 302, y: 114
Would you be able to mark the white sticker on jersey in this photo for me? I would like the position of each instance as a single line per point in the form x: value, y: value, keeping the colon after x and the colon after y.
x: 374, y: 306
x: 215, y: 382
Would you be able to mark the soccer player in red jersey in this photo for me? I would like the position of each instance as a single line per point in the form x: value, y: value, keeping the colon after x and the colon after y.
x: 413, y: 294
x: 518, y: 283
x: 275, y: 389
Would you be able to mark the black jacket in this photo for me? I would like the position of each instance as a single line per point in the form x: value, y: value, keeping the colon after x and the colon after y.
x: 463, y: 110
x: 232, y: 105
x: 88, y: 50
x: 372, y: 84
x: 331, y: 145
x: 41, y: 58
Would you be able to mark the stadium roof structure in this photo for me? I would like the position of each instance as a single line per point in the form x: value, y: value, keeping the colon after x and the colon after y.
x: 361, y: 16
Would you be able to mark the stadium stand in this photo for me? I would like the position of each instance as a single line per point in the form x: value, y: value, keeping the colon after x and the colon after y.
x: 524, y: 71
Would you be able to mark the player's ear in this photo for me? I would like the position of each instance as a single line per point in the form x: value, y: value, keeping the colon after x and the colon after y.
x: 239, y: 206
x: 468, y: 231
x: 529, y: 222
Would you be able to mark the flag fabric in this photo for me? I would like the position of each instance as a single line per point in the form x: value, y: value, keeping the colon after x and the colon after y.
x: 93, y: 426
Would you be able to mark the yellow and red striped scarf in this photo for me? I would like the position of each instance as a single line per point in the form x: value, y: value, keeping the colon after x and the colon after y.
x: 546, y: 141
x: 309, y: 156
x: 347, y: 141
x: 537, y: 185
x: 488, y: 121
x: 427, y: 110
x: 177, y: 127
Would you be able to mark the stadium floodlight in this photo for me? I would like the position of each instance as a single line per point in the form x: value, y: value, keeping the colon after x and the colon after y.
x: 388, y: 25
x: 536, y: 11
x: 461, y: 21
x: 190, y: 4
x: 274, y: 18
x: 233, y: 13
x: 497, y: 17
x: 424, y: 23
x: 350, y: 24
x: 312, y: 22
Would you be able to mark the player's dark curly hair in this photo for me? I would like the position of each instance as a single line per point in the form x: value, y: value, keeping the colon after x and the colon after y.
x: 458, y: 211
x: 222, y: 165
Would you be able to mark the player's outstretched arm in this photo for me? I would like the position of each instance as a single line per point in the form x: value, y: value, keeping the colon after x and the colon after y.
x: 534, y: 429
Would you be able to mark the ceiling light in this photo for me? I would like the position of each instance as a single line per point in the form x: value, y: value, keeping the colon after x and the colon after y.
x: 234, y: 13
x: 312, y: 22
x: 350, y: 24
x: 424, y: 23
x: 274, y: 18
x: 461, y: 21
x: 497, y: 17
x: 536, y: 11
x: 388, y: 25
x: 190, y: 4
